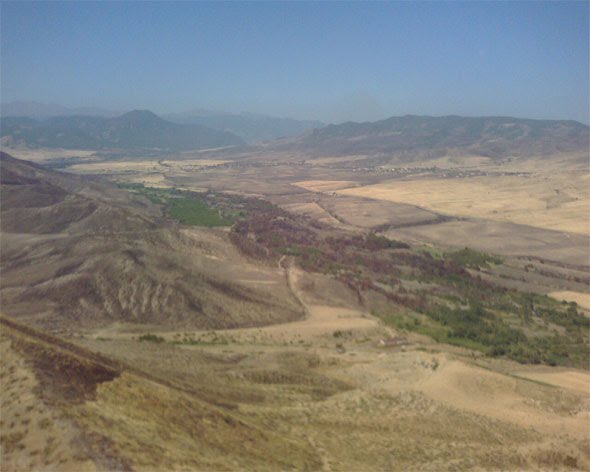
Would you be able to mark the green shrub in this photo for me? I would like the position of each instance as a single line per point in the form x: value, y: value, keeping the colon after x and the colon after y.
x: 151, y: 338
x: 190, y: 211
x: 472, y: 259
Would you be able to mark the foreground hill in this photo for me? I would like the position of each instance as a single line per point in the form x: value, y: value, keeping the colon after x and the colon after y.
x: 136, y: 129
x: 430, y: 137
x: 79, y: 252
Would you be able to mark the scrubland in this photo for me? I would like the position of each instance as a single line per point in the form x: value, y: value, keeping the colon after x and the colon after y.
x: 370, y: 338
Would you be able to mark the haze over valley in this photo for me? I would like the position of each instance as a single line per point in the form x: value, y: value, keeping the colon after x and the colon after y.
x: 304, y: 285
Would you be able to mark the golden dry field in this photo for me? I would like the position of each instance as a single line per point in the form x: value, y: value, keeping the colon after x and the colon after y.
x: 140, y: 166
x: 324, y: 185
x: 558, y: 202
x: 504, y: 238
x: 41, y: 155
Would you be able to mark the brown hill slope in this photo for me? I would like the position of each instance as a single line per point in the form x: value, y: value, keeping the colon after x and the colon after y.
x: 78, y: 251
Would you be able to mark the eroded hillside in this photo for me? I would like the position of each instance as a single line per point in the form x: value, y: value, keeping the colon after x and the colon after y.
x: 79, y: 252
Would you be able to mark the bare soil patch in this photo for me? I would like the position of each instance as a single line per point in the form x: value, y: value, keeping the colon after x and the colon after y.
x: 582, y: 299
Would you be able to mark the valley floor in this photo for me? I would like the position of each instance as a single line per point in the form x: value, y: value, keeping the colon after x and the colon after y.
x: 334, y: 388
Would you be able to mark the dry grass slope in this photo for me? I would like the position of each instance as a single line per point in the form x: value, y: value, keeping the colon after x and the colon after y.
x: 78, y: 252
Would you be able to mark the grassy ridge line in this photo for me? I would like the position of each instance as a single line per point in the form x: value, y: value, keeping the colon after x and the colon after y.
x: 115, y: 367
x: 137, y: 412
x: 62, y: 345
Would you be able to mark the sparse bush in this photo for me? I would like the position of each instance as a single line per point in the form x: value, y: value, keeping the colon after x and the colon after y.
x: 12, y: 441
x: 151, y: 338
x: 472, y: 259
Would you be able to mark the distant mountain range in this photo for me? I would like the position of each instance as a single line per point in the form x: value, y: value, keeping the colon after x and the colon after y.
x: 136, y: 129
x: 405, y: 137
x: 427, y: 136
x: 250, y: 127
x: 49, y: 110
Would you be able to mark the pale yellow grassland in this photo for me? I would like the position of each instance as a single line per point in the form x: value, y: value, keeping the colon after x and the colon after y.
x: 560, y: 202
x: 582, y: 299
x: 142, y: 166
x: 40, y: 155
x: 324, y: 185
x: 569, y: 379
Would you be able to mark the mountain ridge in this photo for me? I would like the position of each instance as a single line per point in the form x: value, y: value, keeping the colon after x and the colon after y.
x: 134, y: 129
x: 494, y: 137
x: 38, y: 110
x: 251, y: 127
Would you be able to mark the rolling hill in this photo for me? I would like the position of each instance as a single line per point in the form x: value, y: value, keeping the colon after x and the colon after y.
x: 428, y: 137
x: 79, y: 252
x: 136, y: 129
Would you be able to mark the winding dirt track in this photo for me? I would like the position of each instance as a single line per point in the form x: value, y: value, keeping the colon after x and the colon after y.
x: 319, y: 320
x: 291, y: 279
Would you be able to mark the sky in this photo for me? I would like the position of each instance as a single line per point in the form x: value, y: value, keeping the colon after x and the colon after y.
x: 332, y: 61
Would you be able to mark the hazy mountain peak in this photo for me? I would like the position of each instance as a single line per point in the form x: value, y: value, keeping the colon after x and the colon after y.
x: 140, y: 114
x: 140, y: 117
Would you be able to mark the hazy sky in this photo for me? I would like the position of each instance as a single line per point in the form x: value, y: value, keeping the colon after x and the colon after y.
x: 331, y: 61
